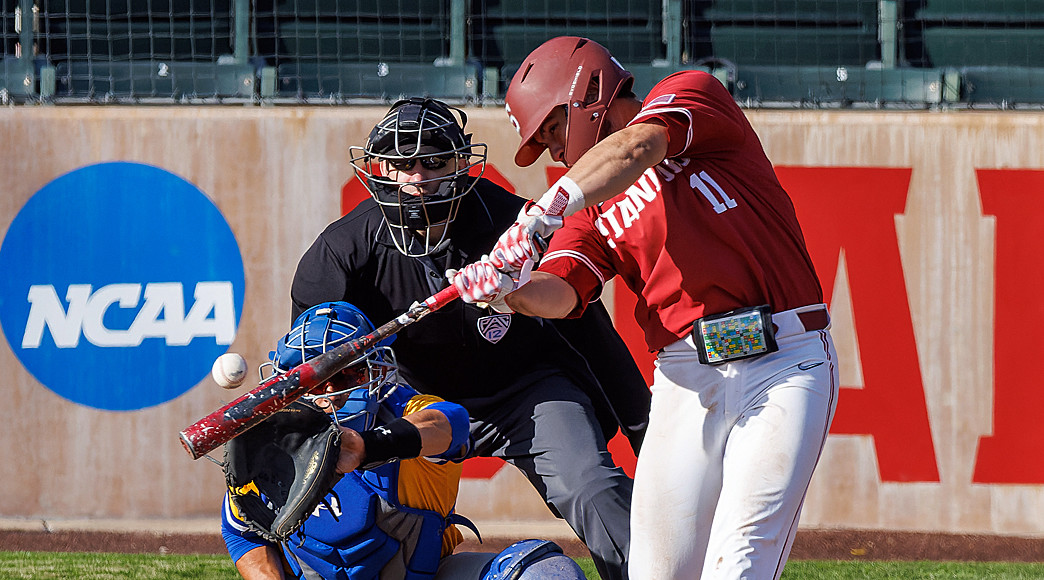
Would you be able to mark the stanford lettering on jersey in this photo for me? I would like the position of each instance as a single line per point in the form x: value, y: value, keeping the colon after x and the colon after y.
x: 626, y: 210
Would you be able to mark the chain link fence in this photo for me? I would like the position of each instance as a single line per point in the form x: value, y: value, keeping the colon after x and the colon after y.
x: 770, y: 53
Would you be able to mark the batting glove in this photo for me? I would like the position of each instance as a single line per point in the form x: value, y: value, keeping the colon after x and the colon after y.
x: 524, y: 239
x: 484, y: 285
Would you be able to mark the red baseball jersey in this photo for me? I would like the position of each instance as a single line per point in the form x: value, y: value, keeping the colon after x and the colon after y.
x: 707, y: 231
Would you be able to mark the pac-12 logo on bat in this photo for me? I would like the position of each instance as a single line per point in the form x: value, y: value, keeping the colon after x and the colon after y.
x: 122, y: 283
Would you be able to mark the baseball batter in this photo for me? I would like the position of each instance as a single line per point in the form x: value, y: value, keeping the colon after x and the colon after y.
x: 676, y: 196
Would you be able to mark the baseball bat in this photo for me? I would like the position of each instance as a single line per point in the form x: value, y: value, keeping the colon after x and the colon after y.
x: 233, y: 419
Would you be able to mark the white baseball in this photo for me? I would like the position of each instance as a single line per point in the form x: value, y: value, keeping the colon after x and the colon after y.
x: 229, y: 370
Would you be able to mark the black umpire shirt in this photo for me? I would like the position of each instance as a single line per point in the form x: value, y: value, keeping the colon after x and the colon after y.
x: 445, y: 354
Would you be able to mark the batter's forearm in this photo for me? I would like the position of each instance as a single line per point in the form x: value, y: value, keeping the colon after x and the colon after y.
x: 615, y: 163
x: 545, y: 296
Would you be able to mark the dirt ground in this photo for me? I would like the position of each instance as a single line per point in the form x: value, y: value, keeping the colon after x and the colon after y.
x: 809, y: 544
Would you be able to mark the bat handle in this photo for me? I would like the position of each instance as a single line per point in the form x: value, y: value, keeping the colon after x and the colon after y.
x: 541, y: 244
x: 442, y: 298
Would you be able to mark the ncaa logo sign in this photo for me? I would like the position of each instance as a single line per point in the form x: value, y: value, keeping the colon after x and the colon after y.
x: 122, y: 283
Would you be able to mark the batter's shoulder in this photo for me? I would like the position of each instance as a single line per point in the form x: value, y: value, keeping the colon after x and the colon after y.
x: 685, y: 83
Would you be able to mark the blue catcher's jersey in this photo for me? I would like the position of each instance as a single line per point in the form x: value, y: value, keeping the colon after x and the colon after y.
x: 415, y: 497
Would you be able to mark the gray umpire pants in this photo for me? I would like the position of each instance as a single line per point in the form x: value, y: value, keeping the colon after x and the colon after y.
x: 549, y: 431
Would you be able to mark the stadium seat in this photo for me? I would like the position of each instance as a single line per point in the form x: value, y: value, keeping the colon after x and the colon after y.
x: 142, y: 40
x: 983, y: 33
x: 755, y: 45
x: 595, y: 12
x: 980, y: 12
x: 352, y: 9
x: 361, y: 42
x: 377, y: 81
x: 1009, y: 86
x: 504, y: 32
x: 840, y: 85
x: 511, y: 43
x: 17, y: 78
x: 132, y: 80
x: 135, y: 9
x: 962, y: 47
x: 795, y: 32
x: 794, y: 12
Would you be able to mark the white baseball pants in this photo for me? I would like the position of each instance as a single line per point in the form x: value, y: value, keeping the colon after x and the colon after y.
x: 728, y: 457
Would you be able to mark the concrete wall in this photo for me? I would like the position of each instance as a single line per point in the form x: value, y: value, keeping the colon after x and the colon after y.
x: 923, y: 226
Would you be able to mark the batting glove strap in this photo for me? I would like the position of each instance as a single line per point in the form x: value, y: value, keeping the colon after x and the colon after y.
x: 563, y: 199
x: 536, y: 219
x: 398, y: 439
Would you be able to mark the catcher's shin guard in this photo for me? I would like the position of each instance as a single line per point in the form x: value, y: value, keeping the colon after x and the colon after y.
x: 533, y: 560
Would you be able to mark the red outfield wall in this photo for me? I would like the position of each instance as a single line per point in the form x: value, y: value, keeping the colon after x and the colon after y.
x: 922, y: 226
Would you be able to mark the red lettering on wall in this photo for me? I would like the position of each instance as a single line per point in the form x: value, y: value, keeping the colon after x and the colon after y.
x: 1011, y: 454
x: 854, y: 209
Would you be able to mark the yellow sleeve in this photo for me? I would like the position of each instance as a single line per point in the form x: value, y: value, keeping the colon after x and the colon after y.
x: 429, y: 485
x: 419, y: 402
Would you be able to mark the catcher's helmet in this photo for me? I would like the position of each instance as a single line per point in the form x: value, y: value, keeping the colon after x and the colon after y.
x: 571, y: 71
x: 428, y: 132
x: 329, y: 325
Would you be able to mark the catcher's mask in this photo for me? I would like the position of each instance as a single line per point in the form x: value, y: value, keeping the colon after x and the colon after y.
x: 419, y: 137
x: 568, y: 71
x: 375, y: 372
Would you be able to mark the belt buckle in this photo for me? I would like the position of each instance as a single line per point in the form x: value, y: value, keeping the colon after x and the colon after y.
x: 734, y: 335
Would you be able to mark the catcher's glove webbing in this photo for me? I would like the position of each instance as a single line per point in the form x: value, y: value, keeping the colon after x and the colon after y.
x: 291, y: 460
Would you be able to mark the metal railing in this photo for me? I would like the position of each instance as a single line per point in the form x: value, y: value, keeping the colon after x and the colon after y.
x: 770, y: 53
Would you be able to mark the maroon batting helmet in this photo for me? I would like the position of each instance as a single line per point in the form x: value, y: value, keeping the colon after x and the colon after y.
x: 571, y: 71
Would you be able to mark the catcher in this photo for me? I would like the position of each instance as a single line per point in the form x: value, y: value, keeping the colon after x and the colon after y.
x: 359, y: 480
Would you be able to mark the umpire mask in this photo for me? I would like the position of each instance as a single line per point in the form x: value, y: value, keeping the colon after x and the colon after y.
x: 416, y: 165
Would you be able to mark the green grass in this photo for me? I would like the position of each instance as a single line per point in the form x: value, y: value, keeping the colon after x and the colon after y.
x: 53, y: 565
x: 869, y: 570
x: 48, y: 565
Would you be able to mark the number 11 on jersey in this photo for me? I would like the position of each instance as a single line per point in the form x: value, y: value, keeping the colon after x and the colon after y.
x: 700, y: 182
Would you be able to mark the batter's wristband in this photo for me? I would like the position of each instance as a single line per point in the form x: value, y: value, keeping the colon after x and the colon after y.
x: 399, y: 439
x: 563, y: 199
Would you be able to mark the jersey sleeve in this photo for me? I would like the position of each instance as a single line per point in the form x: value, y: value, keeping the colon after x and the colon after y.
x: 699, y: 113
x: 320, y: 277
x: 238, y: 538
x: 333, y: 263
x: 577, y: 255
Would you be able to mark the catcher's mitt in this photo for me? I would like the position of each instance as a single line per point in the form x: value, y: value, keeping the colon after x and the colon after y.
x: 291, y: 460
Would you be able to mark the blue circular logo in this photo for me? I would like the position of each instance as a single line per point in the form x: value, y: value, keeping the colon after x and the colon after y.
x: 122, y: 283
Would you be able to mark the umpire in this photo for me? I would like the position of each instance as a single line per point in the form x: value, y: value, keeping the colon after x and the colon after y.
x: 532, y: 397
